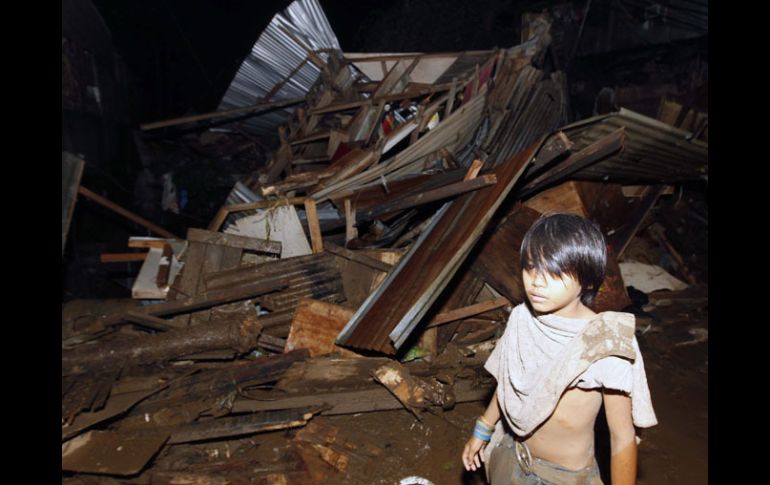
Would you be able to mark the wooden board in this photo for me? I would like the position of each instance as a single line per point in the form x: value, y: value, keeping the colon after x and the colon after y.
x: 234, y: 241
x: 146, y: 284
x: 561, y: 198
x: 388, y: 317
x: 277, y: 224
x: 497, y: 257
x: 111, y: 452
x: 316, y: 325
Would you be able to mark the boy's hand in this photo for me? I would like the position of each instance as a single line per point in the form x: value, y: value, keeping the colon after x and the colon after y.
x: 473, y: 455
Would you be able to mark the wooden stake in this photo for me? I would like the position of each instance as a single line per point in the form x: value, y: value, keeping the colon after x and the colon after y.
x: 473, y: 170
x: 314, y: 226
x: 351, y: 231
x: 125, y: 213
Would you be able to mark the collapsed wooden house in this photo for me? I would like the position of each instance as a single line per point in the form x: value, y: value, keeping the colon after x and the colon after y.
x: 415, y: 177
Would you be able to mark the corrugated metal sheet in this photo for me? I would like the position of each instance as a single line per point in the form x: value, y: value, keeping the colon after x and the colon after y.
x: 274, y: 56
x: 654, y: 151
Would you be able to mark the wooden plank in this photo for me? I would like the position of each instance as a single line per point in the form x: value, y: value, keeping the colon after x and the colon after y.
x: 234, y: 241
x: 147, y: 242
x: 620, y: 239
x: 315, y: 228
x: 122, y: 257
x: 71, y: 173
x: 187, y: 286
x: 125, y: 213
x: 659, y: 235
x: 461, y: 291
x: 640, y: 190
x: 212, y: 262
x: 561, y: 198
x: 283, y: 81
x: 224, y: 211
x: 358, y: 257
x: 452, y: 95
x: 468, y: 311
x: 280, y: 223
x: 159, y: 265
x: 235, y: 334
x: 351, y: 231
x: 385, y: 321
x: 440, y: 193
x: 118, y: 403
x: 473, y: 170
x: 355, y: 401
x: 316, y: 325
x: 497, y: 258
x: 556, y: 146
x: 164, y: 268
x: 206, y: 300
x: 111, y: 452
x: 255, y: 109
x: 242, y: 425
x: 589, y: 155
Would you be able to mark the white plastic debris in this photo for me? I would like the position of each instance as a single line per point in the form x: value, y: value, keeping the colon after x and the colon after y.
x: 415, y: 480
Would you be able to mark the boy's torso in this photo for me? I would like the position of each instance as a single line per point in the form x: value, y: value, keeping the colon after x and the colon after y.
x: 567, y: 437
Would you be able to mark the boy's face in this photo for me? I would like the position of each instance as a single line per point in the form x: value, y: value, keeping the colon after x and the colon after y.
x: 559, y: 295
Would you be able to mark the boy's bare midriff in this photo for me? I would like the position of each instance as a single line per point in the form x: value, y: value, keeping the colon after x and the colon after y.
x: 567, y: 437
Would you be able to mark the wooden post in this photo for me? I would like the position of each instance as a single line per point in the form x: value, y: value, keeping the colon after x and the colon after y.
x: 314, y: 226
x: 125, y: 213
x: 452, y: 93
x: 351, y: 231
x: 473, y: 170
x: 219, y: 114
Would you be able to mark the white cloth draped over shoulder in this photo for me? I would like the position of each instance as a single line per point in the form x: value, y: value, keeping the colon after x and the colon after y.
x: 537, y: 358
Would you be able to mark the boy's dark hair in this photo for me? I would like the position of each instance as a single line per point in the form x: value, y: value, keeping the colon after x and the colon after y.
x: 561, y: 244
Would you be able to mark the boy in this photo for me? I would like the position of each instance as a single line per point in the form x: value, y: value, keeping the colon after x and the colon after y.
x: 555, y: 364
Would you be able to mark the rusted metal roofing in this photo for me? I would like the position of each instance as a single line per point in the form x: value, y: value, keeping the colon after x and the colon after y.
x: 275, y: 56
x: 654, y: 151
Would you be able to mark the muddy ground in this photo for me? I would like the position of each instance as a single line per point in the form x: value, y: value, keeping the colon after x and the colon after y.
x: 387, y: 447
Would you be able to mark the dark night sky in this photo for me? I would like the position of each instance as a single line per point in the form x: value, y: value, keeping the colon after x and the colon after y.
x: 183, y: 54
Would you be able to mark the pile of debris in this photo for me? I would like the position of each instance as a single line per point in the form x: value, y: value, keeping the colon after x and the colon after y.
x: 416, y: 177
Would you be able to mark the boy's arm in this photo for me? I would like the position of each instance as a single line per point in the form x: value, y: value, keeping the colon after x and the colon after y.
x: 617, y: 407
x: 492, y: 413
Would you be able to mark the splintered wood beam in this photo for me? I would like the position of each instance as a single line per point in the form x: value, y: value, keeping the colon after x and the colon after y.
x: 557, y: 145
x: 206, y: 300
x: 599, y: 150
x: 351, y: 232
x: 355, y: 401
x: 225, y: 210
x: 314, y: 226
x: 125, y: 213
x: 426, y: 197
x: 257, y: 108
x: 147, y: 242
x: 234, y: 241
x: 238, y: 335
x: 620, y: 239
x: 473, y: 170
x: 357, y: 257
x: 468, y: 311
x: 242, y: 425
x: 283, y: 81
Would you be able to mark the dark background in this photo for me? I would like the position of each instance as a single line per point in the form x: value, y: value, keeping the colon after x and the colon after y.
x: 160, y: 59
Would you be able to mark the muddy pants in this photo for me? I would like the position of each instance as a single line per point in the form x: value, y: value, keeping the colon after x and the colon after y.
x: 511, y: 464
